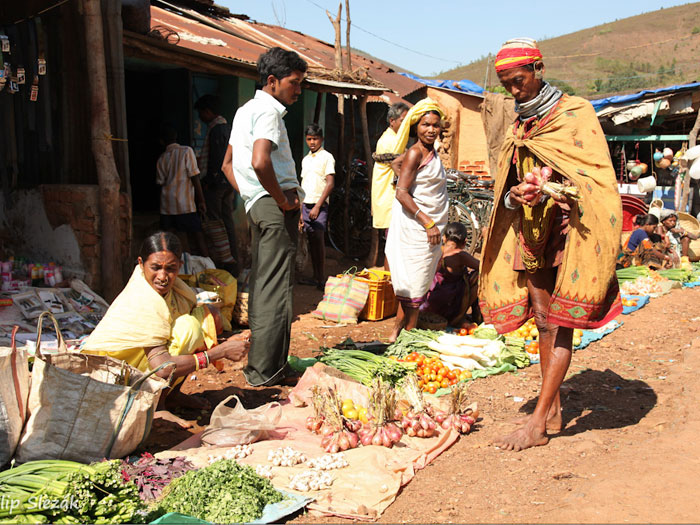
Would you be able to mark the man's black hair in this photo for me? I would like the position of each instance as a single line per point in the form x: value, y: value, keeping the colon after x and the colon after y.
x: 210, y: 102
x: 279, y: 63
x: 168, y: 133
x: 313, y: 130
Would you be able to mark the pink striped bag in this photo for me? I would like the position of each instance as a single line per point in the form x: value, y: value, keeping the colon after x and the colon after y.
x: 343, y: 298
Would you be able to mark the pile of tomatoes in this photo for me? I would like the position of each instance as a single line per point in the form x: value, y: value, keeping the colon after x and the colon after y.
x: 434, y: 374
x: 468, y: 329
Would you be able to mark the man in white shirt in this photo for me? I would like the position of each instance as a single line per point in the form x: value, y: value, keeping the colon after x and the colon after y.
x: 317, y: 181
x: 260, y: 166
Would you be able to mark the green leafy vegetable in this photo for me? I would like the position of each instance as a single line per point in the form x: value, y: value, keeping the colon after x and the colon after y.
x: 223, y: 492
x: 486, y: 331
x: 365, y: 366
x: 415, y: 340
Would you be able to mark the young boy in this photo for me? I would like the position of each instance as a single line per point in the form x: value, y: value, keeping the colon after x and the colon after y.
x: 178, y: 174
x: 317, y: 181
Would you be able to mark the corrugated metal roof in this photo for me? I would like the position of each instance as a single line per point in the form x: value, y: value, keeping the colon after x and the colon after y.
x: 246, y: 41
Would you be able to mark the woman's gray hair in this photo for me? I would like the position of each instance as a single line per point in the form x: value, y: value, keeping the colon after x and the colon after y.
x: 395, y: 111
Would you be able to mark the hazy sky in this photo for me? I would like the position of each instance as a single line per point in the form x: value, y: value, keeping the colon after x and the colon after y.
x: 429, y: 37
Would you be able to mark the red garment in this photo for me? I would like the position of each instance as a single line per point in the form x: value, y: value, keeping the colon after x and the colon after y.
x: 510, y: 57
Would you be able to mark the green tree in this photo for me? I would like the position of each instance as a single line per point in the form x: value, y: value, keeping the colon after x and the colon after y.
x: 564, y: 86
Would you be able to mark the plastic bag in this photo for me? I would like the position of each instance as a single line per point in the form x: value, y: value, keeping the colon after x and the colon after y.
x: 238, y: 426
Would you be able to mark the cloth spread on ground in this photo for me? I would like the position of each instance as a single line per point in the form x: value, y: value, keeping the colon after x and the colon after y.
x: 569, y: 140
x: 642, y: 300
x: 365, y: 488
x: 590, y: 336
x: 141, y: 318
x: 412, y: 259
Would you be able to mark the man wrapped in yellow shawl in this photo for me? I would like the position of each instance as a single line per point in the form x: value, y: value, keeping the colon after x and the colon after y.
x: 555, y: 230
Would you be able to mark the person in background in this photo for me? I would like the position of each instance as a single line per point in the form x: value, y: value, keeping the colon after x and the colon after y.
x: 676, y: 239
x: 317, y: 181
x: 641, y: 249
x: 220, y: 196
x: 259, y: 162
x: 181, y: 195
x: 550, y: 253
x: 454, y: 287
x: 419, y: 215
x: 383, y: 175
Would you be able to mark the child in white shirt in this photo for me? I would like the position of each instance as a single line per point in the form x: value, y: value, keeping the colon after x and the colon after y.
x: 317, y: 181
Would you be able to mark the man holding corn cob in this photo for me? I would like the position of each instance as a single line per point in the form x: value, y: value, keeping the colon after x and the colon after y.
x: 555, y: 231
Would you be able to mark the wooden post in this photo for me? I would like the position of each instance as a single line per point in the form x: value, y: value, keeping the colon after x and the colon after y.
x: 317, y: 108
x: 338, y: 46
x: 348, y: 179
x: 347, y: 34
x: 692, y: 141
x: 374, y: 243
x: 107, y: 175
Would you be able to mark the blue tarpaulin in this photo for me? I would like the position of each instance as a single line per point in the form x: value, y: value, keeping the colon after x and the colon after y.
x: 461, y: 86
x: 620, y: 99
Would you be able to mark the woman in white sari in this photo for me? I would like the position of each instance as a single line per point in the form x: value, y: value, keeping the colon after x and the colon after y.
x: 419, y: 214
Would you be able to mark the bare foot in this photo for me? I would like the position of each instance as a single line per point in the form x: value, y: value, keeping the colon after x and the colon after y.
x: 554, y: 421
x: 525, y: 437
x: 169, y: 416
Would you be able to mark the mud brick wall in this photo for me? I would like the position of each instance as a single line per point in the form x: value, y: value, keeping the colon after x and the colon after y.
x: 477, y: 167
x: 78, y: 206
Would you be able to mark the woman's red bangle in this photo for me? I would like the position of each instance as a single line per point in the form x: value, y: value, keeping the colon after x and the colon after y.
x: 201, y: 360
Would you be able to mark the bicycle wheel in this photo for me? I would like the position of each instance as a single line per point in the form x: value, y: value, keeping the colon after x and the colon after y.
x: 359, y: 224
x: 460, y: 212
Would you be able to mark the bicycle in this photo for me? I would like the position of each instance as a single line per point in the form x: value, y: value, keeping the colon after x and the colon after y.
x: 471, y: 204
x: 359, y: 214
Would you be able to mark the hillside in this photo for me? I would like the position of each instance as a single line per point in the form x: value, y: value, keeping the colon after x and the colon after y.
x: 654, y: 49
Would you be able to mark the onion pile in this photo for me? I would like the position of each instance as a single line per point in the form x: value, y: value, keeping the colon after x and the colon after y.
x: 339, y: 433
x: 315, y: 422
x: 385, y: 435
x: 339, y: 440
x: 461, y: 417
x: 381, y: 429
x: 418, y: 421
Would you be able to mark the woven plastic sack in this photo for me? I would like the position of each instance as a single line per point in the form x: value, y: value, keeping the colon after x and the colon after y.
x: 14, y: 390
x: 84, y: 407
x: 215, y: 231
x: 229, y: 427
x: 344, y: 297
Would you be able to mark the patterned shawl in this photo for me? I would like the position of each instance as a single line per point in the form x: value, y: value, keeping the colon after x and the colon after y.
x: 586, y: 294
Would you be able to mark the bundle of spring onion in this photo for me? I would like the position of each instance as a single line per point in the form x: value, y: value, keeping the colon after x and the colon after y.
x: 415, y: 340
x: 56, y: 491
x: 631, y: 273
x: 365, y: 366
x: 682, y: 275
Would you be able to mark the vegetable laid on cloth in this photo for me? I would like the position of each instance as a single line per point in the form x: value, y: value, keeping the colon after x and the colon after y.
x: 71, y: 493
x: 365, y: 366
x: 418, y: 420
x: 415, y: 340
x: 223, y: 492
x: 381, y: 429
x: 339, y: 433
x: 151, y: 475
x: 460, y: 417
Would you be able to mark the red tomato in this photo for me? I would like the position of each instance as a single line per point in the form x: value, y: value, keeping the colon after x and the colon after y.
x: 432, y: 389
x: 445, y: 383
x: 463, y: 331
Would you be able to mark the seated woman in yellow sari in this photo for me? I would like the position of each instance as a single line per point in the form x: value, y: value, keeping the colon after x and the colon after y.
x: 154, y: 320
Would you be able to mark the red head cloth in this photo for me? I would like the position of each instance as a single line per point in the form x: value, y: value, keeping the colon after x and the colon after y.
x: 517, y: 53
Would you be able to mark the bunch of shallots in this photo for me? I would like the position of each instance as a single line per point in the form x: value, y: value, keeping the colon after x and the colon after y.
x: 315, y: 422
x: 417, y: 421
x: 548, y: 187
x: 461, y: 417
x: 338, y: 433
x: 381, y: 430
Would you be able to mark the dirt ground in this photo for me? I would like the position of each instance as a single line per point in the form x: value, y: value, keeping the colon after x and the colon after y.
x: 629, y: 451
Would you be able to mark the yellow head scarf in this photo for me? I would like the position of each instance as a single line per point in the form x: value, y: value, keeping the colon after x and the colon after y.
x: 412, y: 117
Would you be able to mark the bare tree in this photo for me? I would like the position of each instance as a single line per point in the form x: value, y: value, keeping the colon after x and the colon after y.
x: 347, y: 33
x: 338, y: 46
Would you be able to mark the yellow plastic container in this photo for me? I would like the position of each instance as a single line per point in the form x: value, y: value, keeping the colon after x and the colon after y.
x: 381, y: 301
